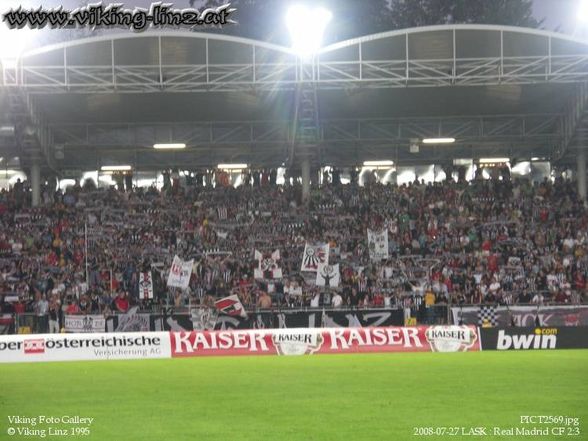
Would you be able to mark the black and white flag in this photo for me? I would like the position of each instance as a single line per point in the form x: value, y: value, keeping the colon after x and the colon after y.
x: 378, y: 244
x: 314, y: 255
x: 328, y: 275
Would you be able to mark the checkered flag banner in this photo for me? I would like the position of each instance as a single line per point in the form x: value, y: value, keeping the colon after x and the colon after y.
x: 487, y: 316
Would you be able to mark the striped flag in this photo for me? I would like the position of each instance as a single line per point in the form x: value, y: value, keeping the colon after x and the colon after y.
x: 222, y: 213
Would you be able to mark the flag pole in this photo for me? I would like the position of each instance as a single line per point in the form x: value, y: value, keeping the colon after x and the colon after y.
x: 86, y: 252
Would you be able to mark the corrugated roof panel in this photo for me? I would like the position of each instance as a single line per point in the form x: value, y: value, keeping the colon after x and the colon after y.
x: 434, y: 45
x: 477, y: 44
x: 136, y: 51
x: 228, y: 52
x: 518, y: 44
x: 181, y: 50
x: 90, y: 54
x: 391, y: 48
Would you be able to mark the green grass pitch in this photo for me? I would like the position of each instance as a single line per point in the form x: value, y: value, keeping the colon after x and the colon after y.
x: 328, y: 397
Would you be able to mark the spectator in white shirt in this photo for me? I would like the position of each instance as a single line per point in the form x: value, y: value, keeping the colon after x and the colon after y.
x: 337, y: 300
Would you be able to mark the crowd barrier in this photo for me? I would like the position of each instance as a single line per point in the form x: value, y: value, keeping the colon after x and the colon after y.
x: 210, y: 319
x: 298, y: 341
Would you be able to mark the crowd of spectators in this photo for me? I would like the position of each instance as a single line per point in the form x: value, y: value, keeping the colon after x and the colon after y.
x: 484, y: 241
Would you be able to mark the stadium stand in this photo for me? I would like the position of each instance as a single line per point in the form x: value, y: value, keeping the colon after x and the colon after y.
x: 484, y: 241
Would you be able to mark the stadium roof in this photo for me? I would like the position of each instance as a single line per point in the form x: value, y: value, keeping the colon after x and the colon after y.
x: 500, y: 91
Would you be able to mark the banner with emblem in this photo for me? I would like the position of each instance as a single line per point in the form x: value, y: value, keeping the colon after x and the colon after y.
x: 314, y: 255
x: 378, y: 244
x: 232, y: 306
x: 145, y: 286
x: 328, y: 275
x: 84, y: 323
x: 180, y: 272
x: 267, y: 265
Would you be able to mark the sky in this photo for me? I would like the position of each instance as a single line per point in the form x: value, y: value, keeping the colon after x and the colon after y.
x: 557, y: 14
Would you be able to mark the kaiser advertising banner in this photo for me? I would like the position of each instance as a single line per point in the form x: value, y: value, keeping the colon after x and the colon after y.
x: 325, y: 341
x: 528, y: 315
x: 84, y: 323
x: 99, y: 346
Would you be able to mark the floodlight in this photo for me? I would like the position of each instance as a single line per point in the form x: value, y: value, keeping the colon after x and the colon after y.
x: 377, y: 163
x: 13, y: 42
x: 169, y: 146
x: 116, y: 168
x: 582, y: 12
x: 493, y: 160
x: 438, y: 140
x: 306, y: 27
x: 231, y: 166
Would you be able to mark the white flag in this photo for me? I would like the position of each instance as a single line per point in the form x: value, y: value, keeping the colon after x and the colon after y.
x: 179, y: 273
x: 145, y: 286
x: 328, y: 275
x: 314, y: 255
x: 267, y: 265
x: 378, y: 244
